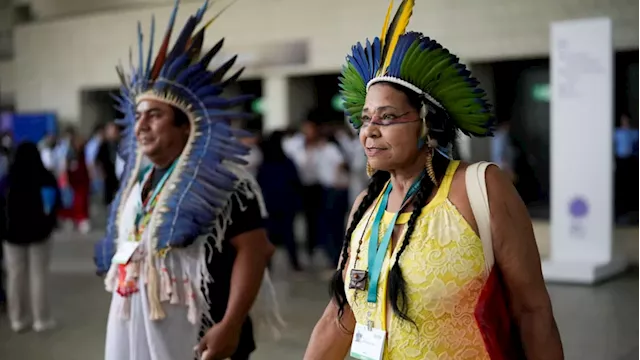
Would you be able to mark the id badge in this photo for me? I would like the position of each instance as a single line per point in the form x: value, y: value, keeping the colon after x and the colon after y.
x: 125, y: 252
x: 367, y: 343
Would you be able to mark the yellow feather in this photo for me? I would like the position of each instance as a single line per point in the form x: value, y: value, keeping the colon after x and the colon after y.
x: 206, y: 25
x: 399, y: 25
x: 385, y: 27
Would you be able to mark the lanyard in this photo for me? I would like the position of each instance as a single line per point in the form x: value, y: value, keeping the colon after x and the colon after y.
x: 377, y: 253
x: 148, y: 203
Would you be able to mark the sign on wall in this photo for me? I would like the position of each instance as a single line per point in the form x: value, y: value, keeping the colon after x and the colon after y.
x: 581, y: 152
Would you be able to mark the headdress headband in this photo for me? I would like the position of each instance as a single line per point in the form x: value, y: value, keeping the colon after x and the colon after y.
x: 417, y: 63
x: 200, y: 185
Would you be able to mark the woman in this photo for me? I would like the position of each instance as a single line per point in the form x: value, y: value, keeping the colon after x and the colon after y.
x: 282, y: 191
x: 32, y: 201
x: 75, y: 178
x: 414, y: 295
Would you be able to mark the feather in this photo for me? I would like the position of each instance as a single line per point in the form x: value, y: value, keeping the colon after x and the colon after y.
x: 396, y: 28
x: 208, y: 23
x: 222, y: 70
x: 162, y: 53
x: 233, y: 78
x: 152, y: 33
x: 385, y: 26
x: 140, y: 52
x: 206, y: 59
x: 181, y: 42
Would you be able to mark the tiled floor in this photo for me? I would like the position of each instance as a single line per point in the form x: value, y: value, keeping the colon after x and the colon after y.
x: 596, y: 323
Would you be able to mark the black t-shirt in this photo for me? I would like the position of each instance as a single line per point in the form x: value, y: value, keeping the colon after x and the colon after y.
x: 245, y: 216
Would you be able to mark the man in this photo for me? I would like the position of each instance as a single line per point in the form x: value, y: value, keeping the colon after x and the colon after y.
x: 106, y: 160
x: 185, y: 251
x: 321, y: 167
x: 502, y: 149
x: 91, y: 150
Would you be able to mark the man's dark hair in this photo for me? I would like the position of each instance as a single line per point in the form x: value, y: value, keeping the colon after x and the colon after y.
x: 179, y: 117
x: 315, y: 116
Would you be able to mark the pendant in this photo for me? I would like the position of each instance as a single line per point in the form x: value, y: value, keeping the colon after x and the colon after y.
x: 358, y: 279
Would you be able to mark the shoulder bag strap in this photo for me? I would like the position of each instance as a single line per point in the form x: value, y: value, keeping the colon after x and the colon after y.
x: 479, y: 201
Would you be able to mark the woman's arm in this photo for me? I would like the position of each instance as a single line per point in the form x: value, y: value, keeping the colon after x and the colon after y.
x: 331, y: 337
x: 516, y: 254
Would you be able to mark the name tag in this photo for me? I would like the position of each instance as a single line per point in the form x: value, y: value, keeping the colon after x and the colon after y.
x: 125, y: 252
x: 367, y: 344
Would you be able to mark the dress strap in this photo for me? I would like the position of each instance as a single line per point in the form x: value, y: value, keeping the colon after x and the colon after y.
x: 445, y: 184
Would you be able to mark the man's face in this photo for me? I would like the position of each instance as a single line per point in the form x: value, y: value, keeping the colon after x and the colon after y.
x: 157, y: 133
x: 310, y: 130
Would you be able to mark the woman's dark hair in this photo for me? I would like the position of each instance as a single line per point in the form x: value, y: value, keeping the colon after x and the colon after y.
x: 27, y: 170
x: 272, y: 147
x: 440, y: 129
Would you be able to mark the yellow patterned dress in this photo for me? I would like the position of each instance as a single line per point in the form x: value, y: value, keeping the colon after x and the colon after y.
x: 443, y: 266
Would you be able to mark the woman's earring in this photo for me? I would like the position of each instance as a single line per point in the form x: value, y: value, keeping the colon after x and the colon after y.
x: 429, y: 167
x: 370, y: 170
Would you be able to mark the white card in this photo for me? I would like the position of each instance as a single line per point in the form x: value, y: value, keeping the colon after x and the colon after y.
x: 367, y: 344
x: 125, y: 252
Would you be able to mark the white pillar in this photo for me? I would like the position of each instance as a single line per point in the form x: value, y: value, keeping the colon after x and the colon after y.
x: 276, y: 102
x: 582, y: 246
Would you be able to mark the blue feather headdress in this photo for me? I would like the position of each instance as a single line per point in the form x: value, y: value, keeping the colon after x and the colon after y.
x: 417, y: 63
x: 200, y: 185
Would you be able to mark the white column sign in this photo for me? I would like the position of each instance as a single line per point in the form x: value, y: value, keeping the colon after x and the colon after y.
x: 581, y: 152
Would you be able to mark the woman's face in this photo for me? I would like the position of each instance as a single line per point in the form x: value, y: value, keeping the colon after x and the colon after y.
x: 391, y: 128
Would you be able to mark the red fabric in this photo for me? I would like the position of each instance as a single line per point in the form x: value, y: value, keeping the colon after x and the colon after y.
x: 499, y: 331
x: 79, y: 210
x: 77, y: 176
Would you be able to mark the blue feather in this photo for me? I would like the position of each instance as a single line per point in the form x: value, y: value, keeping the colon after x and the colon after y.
x: 174, y: 67
x: 370, y: 59
x: 188, y: 73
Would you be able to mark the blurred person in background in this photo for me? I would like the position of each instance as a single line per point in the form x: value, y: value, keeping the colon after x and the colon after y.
x: 5, y: 160
x: 502, y: 150
x: 47, y: 147
x: 415, y: 280
x: 192, y: 260
x: 282, y: 190
x: 75, y: 182
x: 334, y: 177
x: 626, y: 174
x: 106, y: 159
x: 91, y: 150
x: 355, y: 157
x: 32, y: 200
x: 255, y: 157
x: 304, y: 148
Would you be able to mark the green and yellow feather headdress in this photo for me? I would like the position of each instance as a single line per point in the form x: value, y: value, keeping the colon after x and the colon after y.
x: 420, y: 64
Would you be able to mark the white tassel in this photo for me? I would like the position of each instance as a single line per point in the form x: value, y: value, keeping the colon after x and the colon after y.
x: 125, y: 310
x: 265, y: 311
x: 110, y: 280
x: 191, y: 302
x: 155, y: 307
x: 165, y: 285
x: 175, y: 297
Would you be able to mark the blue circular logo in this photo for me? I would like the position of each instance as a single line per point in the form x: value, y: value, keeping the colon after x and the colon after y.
x: 578, y: 208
